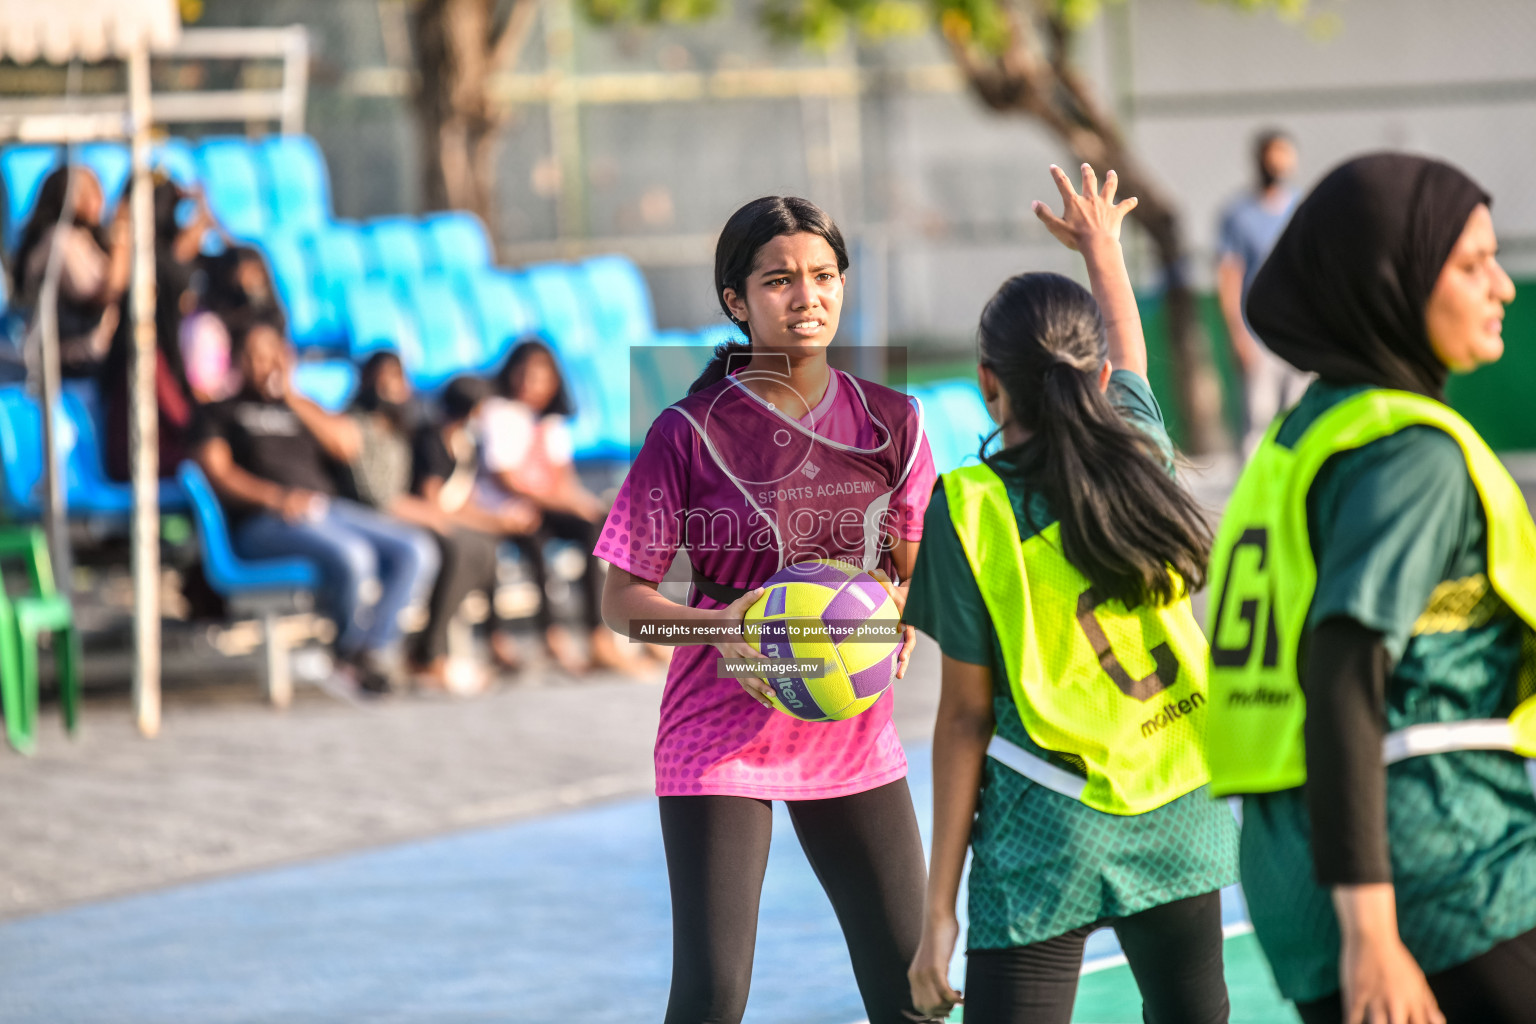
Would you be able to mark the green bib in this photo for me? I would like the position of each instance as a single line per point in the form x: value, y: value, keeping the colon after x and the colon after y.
x: 1121, y: 691
x: 1264, y: 577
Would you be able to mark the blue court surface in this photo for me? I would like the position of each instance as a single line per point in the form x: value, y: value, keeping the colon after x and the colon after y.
x: 556, y: 919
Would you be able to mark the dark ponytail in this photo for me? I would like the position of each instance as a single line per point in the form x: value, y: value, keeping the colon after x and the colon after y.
x: 1125, y: 523
x: 749, y: 229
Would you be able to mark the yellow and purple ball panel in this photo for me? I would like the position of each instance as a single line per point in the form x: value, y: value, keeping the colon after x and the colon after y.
x: 813, y: 609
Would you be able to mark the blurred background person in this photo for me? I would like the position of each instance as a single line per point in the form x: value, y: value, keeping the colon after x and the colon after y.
x: 1250, y: 224
x: 93, y: 271
x: 528, y: 453
x: 233, y: 286
x: 270, y: 455
x: 178, y: 239
x: 385, y: 476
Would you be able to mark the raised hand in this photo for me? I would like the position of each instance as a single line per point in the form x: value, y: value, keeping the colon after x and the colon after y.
x: 1089, y: 216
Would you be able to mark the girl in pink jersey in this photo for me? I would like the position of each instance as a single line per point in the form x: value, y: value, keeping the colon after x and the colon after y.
x: 774, y: 458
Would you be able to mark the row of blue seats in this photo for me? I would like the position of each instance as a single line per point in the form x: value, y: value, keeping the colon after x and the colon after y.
x: 89, y: 492
x: 278, y: 183
x: 425, y: 287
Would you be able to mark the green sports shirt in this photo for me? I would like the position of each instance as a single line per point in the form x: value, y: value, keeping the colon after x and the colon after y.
x: 1042, y: 863
x: 1399, y: 537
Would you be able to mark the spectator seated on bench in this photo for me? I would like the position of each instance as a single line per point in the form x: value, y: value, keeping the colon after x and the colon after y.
x: 270, y: 454
x: 383, y: 473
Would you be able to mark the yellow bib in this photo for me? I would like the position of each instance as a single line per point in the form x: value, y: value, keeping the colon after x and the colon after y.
x: 1264, y: 578
x: 1120, y: 691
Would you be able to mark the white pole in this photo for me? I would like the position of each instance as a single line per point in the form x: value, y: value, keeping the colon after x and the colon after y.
x: 295, y: 79
x: 143, y: 418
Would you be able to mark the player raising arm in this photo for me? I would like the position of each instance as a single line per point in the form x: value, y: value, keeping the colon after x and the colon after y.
x: 1068, y: 752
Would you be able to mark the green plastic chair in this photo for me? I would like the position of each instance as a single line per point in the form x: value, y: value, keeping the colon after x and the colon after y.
x: 22, y: 619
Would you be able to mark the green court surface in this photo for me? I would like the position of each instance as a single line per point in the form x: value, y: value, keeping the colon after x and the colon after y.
x: 1110, y: 997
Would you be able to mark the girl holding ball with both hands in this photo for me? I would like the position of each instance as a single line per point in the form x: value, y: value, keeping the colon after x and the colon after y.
x: 770, y: 439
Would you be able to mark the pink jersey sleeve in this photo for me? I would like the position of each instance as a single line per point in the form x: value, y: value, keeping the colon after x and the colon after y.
x: 911, y: 499
x: 640, y: 535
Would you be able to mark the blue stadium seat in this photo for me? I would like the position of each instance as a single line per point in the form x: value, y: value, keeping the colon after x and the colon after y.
x: 233, y: 186
x: 112, y: 164
x: 24, y: 168
x: 21, y: 451
x: 716, y: 333
x: 499, y: 310
x: 954, y: 411
x: 455, y: 241
x: 227, y: 572
x: 940, y: 440
x: 667, y: 368
x: 175, y: 158
x: 550, y: 289
x: 336, y: 257
x: 88, y: 491
x: 263, y: 586
x: 298, y: 185
x: 338, y: 254
x: 661, y: 374
x: 619, y: 300
x: 376, y: 323
x: 393, y: 248
x: 448, y: 343
x: 330, y: 384
x: 296, y: 288
x: 91, y: 491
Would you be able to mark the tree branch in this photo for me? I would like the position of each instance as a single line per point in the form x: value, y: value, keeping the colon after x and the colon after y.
x: 506, y: 46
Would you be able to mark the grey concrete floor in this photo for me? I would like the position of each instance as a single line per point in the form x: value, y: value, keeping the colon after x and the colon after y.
x: 232, y: 785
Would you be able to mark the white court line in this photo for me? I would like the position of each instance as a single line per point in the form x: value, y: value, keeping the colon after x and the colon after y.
x: 1230, y: 931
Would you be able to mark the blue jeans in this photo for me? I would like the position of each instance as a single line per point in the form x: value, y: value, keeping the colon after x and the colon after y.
x: 352, y: 546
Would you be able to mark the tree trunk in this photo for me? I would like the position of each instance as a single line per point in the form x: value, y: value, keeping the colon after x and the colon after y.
x: 458, y: 50
x: 1029, y: 78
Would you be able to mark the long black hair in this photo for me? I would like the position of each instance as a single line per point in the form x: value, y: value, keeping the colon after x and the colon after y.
x: 508, y: 377
x: 367, y: 399
x: 46, y: 211
x: 1125, y: 523
x: 749, y: 229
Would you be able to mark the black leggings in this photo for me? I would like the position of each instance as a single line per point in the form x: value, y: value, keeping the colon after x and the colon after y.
x: 1498, y: 987
x: 469, y: 564
x: 865, y: 850
x: 1174, y: 952
x: 564, y: 526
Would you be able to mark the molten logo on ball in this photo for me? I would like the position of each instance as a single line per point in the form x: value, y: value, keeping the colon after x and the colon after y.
x: 814, y: 609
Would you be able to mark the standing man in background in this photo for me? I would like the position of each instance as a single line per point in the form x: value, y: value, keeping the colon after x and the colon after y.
x: 1249, y: 227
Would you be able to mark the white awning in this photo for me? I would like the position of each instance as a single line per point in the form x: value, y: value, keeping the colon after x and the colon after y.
x: 91, y: 30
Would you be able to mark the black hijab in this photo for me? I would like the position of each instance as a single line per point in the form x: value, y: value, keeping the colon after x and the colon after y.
x: 1343, y: 293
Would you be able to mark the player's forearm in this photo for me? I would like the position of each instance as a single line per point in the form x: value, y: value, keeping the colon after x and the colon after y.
x: 337, y: 434
x: 1111, y: 283
x: 959, y: 753
x: 1229, y: 296
x: 629, y: 601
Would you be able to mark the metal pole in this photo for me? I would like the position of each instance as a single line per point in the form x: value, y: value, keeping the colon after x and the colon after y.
x: 143, y: 421
x: 295, y: 79
x: 55, y: 510
x: 565, y: 120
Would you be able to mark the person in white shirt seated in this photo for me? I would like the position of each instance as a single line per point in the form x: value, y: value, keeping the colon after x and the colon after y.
x: 526, y: 451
